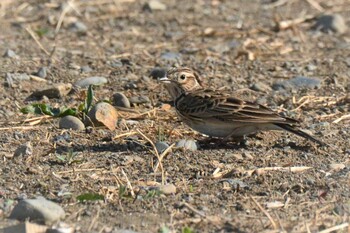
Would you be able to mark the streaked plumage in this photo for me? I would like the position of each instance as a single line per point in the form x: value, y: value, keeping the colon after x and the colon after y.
x: 219, y: 114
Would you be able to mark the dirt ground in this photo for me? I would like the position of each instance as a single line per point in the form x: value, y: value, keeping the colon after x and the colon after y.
x: 270, y: 182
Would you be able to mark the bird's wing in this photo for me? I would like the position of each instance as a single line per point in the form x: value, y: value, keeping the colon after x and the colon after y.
x: 207, y: 104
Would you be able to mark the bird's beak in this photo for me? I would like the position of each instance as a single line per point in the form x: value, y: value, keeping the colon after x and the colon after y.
x: 165, y: 79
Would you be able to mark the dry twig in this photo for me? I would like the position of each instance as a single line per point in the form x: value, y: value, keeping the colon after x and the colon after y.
x: 265, y: 212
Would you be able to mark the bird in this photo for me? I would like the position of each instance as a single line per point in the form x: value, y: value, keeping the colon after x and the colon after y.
x: 219, y: 114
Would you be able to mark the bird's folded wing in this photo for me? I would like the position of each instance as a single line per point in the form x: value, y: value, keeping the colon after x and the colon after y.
x: 206, y: 105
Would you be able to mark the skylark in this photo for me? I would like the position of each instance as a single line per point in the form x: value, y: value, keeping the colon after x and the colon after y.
x: 219, y: 114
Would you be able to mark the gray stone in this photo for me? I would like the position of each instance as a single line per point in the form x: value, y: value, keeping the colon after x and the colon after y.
x: 170, y: 56
x: 161, y: 146
x: 260, y: 86
x: 85, y: 69
x: 120, y: 100
x: 24, y: 150
x: 79, y: 27
x: 187, y: 144
x: 42, y: 72
x: 71, y: 122
x: 10, y: 53
x: 17, y: 76
x: 331, y: 23
x: 157, y: 73
x: 139, y: 99
x: 154, y: 5
x: 57, y: 91
x: 39, y: 210
x: 297, y: 83
x: 167, y: 189
x: 83, y: 83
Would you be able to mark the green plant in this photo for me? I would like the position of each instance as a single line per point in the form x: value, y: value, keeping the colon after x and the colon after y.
x: 68, y: 158
x: 46, y: 109
x: 90, y: 197
x: 187, y: 230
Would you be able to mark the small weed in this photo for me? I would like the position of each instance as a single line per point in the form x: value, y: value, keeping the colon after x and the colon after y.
x: 68, y: 158
x: 187, y: 230
x: 90, y: 197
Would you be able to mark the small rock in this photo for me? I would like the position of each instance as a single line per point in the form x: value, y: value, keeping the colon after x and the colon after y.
x: 157, y: 73
x: 170, y: 56
x: 57, y: 91
x: 85, y: 69
x: 235, y: 183
x: 167, y: 189
x: 120, y: 100
x: 10, y: 53
x: 131, y: 86
x: 71, y: 122
x: 42, y: 72
x: 331, y: 23
x: 61, y: 228
x: 39, y: 210
x: 187, y: 144
x: 102, y: 114
x: 311, y: 67
x: 79, y: 27
x: 154, y: 5
x: 18, y: 76
x: 83, y: 83
x: 337, y: 166
x: 297, y: 83
x: 24, y: 150
x: 260, y: 86
x: 25, y: 227
x: 161, y: 146
x: 139, y: 99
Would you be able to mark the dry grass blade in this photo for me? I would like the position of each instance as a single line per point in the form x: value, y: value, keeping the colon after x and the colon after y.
x: 124, y: 135
x: 128, y: 183
x: 156, y: 153
x: 283, y: 25
x: 344, y: 117
x: 265, y: 212
x: 32, y: 34
x: 165, y: 152
x: 18, y: 128
x: 336, y: 228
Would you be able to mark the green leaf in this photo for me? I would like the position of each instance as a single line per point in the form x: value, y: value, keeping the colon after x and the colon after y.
x: 90, y: 197
x: 164, y: 229
x: 187, y: 230
x: 88, y: 100
x: 41, y: 31
x: 68, y: 111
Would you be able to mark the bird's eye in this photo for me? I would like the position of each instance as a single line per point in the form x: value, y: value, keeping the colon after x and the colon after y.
x: 183, y: 77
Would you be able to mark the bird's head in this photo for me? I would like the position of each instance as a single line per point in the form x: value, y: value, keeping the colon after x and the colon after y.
x: 179, y: 80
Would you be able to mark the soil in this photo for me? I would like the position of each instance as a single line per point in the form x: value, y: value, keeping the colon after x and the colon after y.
x: 222, y: 186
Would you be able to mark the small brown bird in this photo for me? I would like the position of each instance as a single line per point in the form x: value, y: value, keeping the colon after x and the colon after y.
x: 219, y: 114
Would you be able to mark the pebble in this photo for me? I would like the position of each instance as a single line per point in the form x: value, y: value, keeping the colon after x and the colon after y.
x: 17, y: 76
x: 71, y: 122
x: 10, y: 53
x: 187, y: 144
x: 42, y: 72
x: 102, y: 114
x: 79, y: 27
x: 39, y: 210
x: 167, y: 189
x: 24, y: 150
x: 311, y: 67
x: 260, y: 86
x: 331, y: 23
x: 157, y: 73
x: 55, y: 92
x: 95, y: 80
x: 170, y: 56
x: 85, y: 69
x: 297, y: 83
x: 120, y: 100
x: 139, y: 99
x: 161, y: 146
x: 154, y: 5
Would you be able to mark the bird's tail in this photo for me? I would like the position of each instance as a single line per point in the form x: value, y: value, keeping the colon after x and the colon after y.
x: 300, y: 133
